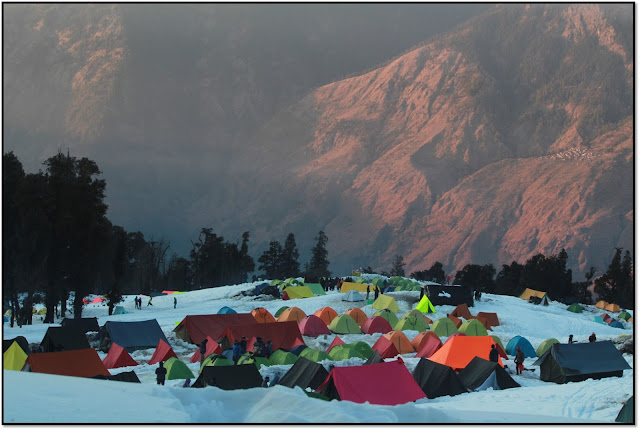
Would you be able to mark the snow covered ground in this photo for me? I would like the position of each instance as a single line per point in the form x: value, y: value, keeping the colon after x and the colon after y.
x: 40, y: 398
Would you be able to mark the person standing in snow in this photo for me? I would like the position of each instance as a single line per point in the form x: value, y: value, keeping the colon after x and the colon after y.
x: 187, y: 383
x: 161, y: 373
x: 175, y: 302
x: 203, y: 350
x: 258, y: 347
x: 519, y: 360
x: 592, y: 338
x: 265, y: 382
x: 493, y: 354
x: 375, y: 293
x: 243, y: 344
x: 269, y: 348
x: 236, y: 351
x: 368, y: 292
x: 571, y: 339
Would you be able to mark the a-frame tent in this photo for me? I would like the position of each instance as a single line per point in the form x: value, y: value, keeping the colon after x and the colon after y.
x: 458, y: 351
x: 14, y: 357
x: 304, y: 373
x: 64, y: 339
x: 195, y: 328
x: 229, y: 377
x: 481, y: 374
x: 132, y: 335
x: 461, y: 311
x: 284, y: 335
x: 118, y: 357
x: 163, y: 352
x: 81, y: 362
x: 437, y: 380
x: 540, y: 296
x: 22, y: 341
x: 84, y: 324
x: 213, y: 347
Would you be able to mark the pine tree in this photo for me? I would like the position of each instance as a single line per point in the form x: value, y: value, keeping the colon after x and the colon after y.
x: 398, y: 266
x: 271, y: 261
x: 318, y: 266
x: 606, y: 285
x: 290, y: 255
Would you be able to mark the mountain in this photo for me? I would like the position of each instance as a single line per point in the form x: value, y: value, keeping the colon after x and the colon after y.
x: 506, y: 136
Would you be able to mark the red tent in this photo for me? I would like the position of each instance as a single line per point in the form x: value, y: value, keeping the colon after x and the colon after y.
x: 421, y: 338
x: 386, y: 383
x: 376, y: 324
x: 85, y: 301
x: 457, y: 321
x: 162, y: 353
x: 313, y: 326
x: 385, y: 347
x: 212, y: 348
x: 285, y: 296
x: 336, y: 341
x: 118, y: 357
x: 492, y: 318
x: 430, y: 345
x: 194, y: 328
x: 80, y: 362
x: 98, y: 300
x: 284, y: 335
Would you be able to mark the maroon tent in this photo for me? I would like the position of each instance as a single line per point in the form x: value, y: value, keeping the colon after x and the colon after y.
x: 376, y: 324
x: 195, y: 328
x: 386, y: 383
x: 283, y: 335
x: 313, y: 326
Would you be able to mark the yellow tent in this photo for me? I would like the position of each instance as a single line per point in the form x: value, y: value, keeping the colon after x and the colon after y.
x: 601, y: 304
x: 529, y: 292
x: 385, y: 302
x: 298, y: 292
x: 14, y: 357
x: 348, y: 286
x: 425, y: 304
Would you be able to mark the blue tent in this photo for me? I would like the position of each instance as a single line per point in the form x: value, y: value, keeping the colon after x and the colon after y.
x: 616, y: 324
x: 131, y: 335
x: 258, y: 288
x: 599, y: 319
x: 524, y: 345
x: 226, y: 310
x: 298, y: 349
x: 352, y: 296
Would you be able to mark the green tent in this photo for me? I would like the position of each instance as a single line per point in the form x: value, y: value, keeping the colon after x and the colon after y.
x: 176, y: 369
x: 391, y: 318
x: 216, y: 360
x: 624, y: 315
x: 498, y: 341
x: 378, y: 282
x: 342, y: 352
x: 119, y: 310
x: 545, y: 345
x: 386, y: 302
x: 279, y: 311
x: 412, y: 322
x: 316, y: 289
x: 425, y: 305
x: 298, y: 292
x: 576, y: 308
x: 314, y: 355
x: 344, y: 324
x: 275, y: 282
x: 473, y: 328
x: 443, y: 327
x: 282, y: 357
x: 360, y: 281
x: 362, y: 347
x: 626, y: 412
x: 247, y: 358
x: 417, y: 313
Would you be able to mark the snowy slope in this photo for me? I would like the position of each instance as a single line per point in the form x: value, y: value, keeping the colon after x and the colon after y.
x: 34, y: 398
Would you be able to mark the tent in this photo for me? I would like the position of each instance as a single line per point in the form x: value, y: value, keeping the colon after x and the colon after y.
x: 304, y: 374
x: 575, y: 362
x: 376, y: 325
x: 400, y: 341
x: 64, y: 339
x: 285, y: 335
x: 492, y: 318
x: 616, y: 324
x: 97, y: 300
x: 524, y: 345
x: 385, y: 348
x: 212, y: 347
x: 612, y: 307
x: 195, y: 328
x: 314, y: 355
x: 316, y: 289
x: 229, y: 377
x: 425, y: 305
x: 352, y: 296
x: 336, y: 341
x: 131, y: 335
x: 412, y: 322
x: 118, y: 357
x: 449, y: 294
x: 385, y: 302
x: 343, y: 352
x: 80, y: 362
x: 297, y: 350
x: 626, y: 412
x: 391, y: 318
x: 598, y: 319
x: 279, y: 311
x: 473, y: 328
x: 84, y: 324
x: 262, y: 315
x: 226, y: 310
x: 624, y: 315
x: 358, y: 315
x: 483, y: 321
x: 119, y: 310
x: 344, y: 324
x: 362, y: 347
x: 421, y: 338
x: 419, y: 314
x: 292, y: 314
x: 388, y: 383
x: 216, y: 360
x: 601, y: 304
x: 121, y: 377
x: 545, y: 345
x: 458, y: 351
x: 22, y: 341
x: 429, y: 346
x: 443, y: 327
x: 298, y: 292
x: 481, y: 374
x: 313, y: 326
x: 606, y: 318
x: 258, y: 362
x: 163, y: 352
x: 326, y: 314
x: 575, y: 308
x: 529, y: 293
x: 456, y: 321
x: 14, y: 357
x: 258, y: 289
x: 353, y: 286
x: 280, y: 357
x: 375, y: 358
x: 437, y: 380
x: 176, y: 369
x: 461, y: 311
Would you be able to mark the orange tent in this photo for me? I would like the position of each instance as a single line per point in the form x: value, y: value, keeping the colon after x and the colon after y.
x: 400, y: 341
x: 461, y: 311
x: 80, y: 362
x: 612, y: 307
x: 292, y: 314
x: 326, y: 314
x: 601, y: 304
x: 421, y: 338
x: 492, y: 318
x: 458, y: 351
x: 118, y: 357
x: 163, y: 352
x: 456, y: 321
x: 262, y: 315
x: 358, y: 315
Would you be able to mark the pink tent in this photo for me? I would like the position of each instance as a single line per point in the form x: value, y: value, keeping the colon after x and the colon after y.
x: 213, y: 347
x: 163, y: 353
x: 313, y: 326
x: 385, y: 347
x: 430, y: 345
x: 118, y: 357
x: 336, y: 341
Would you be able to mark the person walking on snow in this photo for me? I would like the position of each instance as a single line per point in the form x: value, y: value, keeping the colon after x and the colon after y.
x: 161, y: 373
x: 519, y: 360
x: 175, y: 302
x: 493, y: 354
x: 149, y: 303
x: 368, y: 292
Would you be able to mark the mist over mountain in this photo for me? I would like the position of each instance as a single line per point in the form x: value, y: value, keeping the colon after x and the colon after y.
x: 452, y: 133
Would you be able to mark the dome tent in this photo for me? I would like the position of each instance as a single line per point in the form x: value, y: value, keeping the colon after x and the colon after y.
x: 524, y: 345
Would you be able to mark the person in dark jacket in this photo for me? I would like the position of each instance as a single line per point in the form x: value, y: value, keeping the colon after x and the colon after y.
x: 375, y: 293
x: 592, y: 338
x: 571, y: 339
x: 268, y: 348
x: 187, y: 383
x: 161, y: 373
x: 265, y: 382
x: 368, y: 290
x: 243, y: 345
x: 493, y: 354
x: 236, y: 351
x: 203, y: 350
x: 519, y: 360
x: 175, y: 302
x: 258, y: 347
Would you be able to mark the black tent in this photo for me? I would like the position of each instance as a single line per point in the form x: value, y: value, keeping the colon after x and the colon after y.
x: 437, y: 379
x: 449, y: 294
x: 481, y: 374
x: 131, y: 335
x: 229, y: 377
x: 64, y: 339
x: 579, y: 361
x: 123, y: 377
x: 626, y: 412
x: 22, y: 341
x: 304, y: 373
x: 84, y: 324
x: 375, y: 358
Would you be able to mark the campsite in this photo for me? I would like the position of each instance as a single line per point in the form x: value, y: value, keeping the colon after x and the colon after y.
x: 357, y: 364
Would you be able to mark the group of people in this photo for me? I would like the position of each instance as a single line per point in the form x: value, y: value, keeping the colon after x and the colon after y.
x: 518, y: 360
x: 376, y: 292
x: 592, y: 338
x: 138, y: 301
